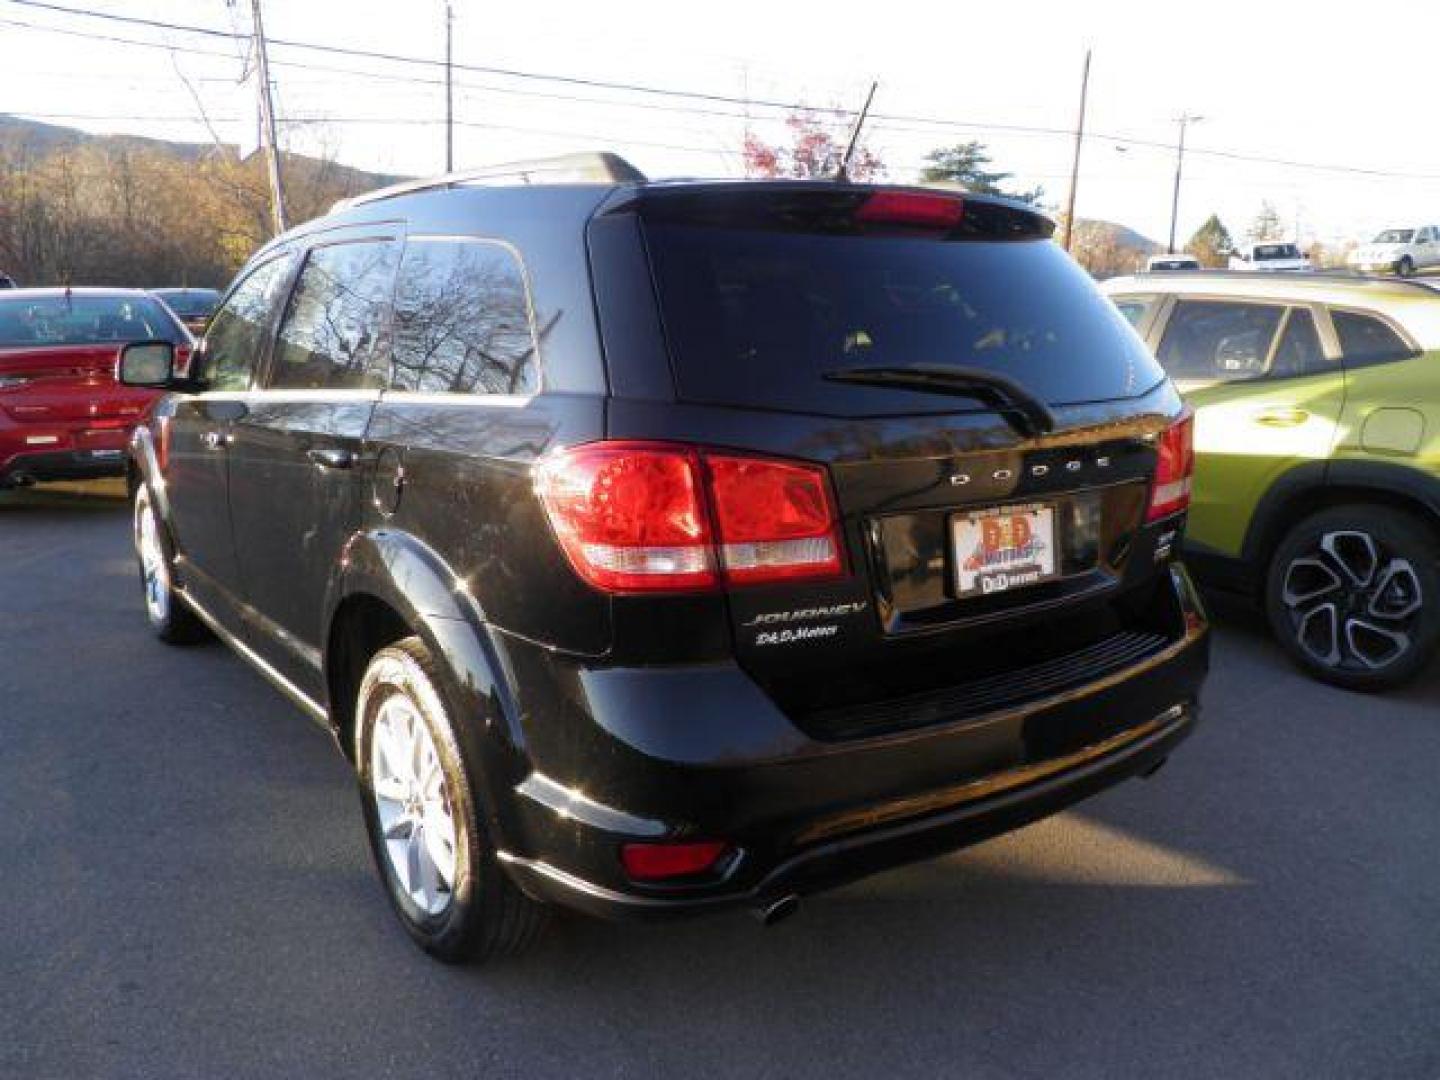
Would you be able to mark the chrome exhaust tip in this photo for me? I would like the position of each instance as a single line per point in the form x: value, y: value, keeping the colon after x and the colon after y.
x: 778, y: 910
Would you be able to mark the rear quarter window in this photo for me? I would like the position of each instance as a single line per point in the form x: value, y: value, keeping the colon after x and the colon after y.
x: 463, y: 320
x: 1134, y: 308
x: 1364, y: 339
x: 758, y: 318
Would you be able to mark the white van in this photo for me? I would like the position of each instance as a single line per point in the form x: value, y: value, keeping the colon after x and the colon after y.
x: 1269, y: 255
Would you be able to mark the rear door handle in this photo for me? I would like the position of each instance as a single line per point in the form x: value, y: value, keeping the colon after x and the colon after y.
x: 1281, y: 417
x: 330, y: 457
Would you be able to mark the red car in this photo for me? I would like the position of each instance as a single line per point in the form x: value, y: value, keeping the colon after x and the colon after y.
x: 62, y: 414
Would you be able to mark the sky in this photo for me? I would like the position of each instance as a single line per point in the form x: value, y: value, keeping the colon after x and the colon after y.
x: 1333, y: 84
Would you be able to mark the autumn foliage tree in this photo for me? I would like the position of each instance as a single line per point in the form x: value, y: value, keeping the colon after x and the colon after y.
x: 133, y: 213
x: 812, y: 151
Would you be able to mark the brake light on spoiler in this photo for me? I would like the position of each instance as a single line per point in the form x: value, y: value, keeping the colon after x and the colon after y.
x: 665, y: 517
x: 911, y: 208
x: 1175, y: 469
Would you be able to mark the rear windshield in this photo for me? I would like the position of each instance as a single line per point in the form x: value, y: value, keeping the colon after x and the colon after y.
x: 759, y: 317
x: 83, y: 320
x: 190, y: 305
x: 1276, y: 251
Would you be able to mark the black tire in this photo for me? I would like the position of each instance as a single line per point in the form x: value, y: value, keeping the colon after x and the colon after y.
x: 1405, y: 267
x: 484, y: 914
x: 170, y: 618
x: 1353, y: 593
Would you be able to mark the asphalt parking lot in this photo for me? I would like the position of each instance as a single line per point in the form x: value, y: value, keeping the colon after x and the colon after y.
x: 185, y: 891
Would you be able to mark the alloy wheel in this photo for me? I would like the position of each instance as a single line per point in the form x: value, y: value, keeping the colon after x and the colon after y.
x: 1352, y: 605
x: 413, y: 804
x: 154, y: 569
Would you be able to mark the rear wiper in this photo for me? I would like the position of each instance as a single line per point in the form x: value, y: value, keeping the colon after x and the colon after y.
x: 1027, y: 413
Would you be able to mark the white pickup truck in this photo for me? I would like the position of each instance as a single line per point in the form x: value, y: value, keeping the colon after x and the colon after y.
x: 1399, y: 251
x: 1268, y: 255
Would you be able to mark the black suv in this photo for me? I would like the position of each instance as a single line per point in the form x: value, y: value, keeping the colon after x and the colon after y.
x: 661, y: 547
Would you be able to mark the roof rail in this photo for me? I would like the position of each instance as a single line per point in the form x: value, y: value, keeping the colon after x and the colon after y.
x: 585, y: 168
x: 1317, y: 276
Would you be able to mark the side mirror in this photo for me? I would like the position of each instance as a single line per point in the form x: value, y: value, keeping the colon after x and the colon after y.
x: 147, y: 363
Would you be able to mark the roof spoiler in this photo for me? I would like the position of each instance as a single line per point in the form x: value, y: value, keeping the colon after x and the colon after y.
x: 586, y: 168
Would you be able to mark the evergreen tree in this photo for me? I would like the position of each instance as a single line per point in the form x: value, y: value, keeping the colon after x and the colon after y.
x: 1211, y: 243
x: 967, y: 164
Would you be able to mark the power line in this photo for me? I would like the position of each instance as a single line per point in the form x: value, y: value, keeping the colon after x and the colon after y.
x: 670, y: 92
x: 425, y: 61
x: 382, y: 121
x: 408, y: 80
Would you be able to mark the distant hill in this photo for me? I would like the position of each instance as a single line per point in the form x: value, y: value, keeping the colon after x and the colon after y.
x: 34, y: 138
x: 1106, y: 248
x: 1122, y: 235
x: 87, y: 209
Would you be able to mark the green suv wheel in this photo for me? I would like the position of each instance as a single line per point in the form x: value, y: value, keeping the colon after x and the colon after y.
x: 1353, y: 593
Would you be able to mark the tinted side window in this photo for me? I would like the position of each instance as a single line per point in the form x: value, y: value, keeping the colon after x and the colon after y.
x: 237, y: 332
x: 1367, y: 340
x: 330, y: 336
x: 1219, y: 341
x: 1133, y: 309
x: 462, y: 320
x: 1299, y: 351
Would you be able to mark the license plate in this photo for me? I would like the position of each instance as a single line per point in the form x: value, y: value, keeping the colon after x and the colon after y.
x: 1003, y: 548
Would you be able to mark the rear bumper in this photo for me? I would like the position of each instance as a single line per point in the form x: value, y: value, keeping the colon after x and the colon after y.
x: 50, y: 465
x: 828, y: 864
x: 708, y: 756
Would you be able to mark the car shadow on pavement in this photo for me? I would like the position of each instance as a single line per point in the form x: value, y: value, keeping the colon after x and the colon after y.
x: 1256, y: 909
x: 92, y: 497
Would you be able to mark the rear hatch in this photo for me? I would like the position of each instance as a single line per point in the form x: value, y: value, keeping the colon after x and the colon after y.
x: 987, y: 418
x: 67, y: 384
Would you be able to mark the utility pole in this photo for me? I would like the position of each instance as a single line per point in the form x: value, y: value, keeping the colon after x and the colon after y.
x: 1075, y: 164
x: 449, y: 91
x: 267, y: 124
x: 1184, y: 120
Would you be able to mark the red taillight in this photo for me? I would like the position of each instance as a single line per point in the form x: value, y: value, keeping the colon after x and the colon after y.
x: 630, y: 515
x: 637, y: 517
x: 911, y: 208
x: 658, y: 862
x: 1174, y: 469
x: 774, y: 519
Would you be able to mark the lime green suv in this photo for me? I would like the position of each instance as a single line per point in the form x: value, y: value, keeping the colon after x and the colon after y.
x: 1317, y: 441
